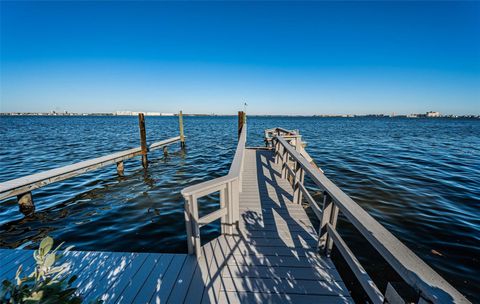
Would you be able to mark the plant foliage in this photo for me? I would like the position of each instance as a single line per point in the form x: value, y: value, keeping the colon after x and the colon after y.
x: 47, y: 284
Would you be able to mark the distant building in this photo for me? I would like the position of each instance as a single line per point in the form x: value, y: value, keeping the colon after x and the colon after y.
x: 429, y: 114
x: 433, y: 114
x: 132, y: 113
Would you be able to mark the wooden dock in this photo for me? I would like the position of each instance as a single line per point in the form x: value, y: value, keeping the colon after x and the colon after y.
x: 273, y: 259
x: 268, y: 250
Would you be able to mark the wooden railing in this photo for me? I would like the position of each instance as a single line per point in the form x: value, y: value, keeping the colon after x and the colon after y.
x: 229, y: 187
x: 22, y: 187
x: 429, y: 285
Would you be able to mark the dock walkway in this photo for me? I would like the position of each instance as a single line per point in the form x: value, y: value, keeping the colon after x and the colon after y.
x: 273, y: 258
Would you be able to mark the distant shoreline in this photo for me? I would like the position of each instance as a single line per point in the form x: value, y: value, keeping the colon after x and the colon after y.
x: 16, y: 114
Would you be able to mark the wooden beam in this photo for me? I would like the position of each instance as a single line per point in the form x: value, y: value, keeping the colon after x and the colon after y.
x: 143, y: 139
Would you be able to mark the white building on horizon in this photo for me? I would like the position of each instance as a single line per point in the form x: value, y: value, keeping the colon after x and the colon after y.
x: 135, y: 113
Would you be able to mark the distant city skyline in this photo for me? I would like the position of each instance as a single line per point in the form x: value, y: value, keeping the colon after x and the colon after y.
x: 309, y: 58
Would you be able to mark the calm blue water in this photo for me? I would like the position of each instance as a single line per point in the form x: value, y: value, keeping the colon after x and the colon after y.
x: 420, y: 178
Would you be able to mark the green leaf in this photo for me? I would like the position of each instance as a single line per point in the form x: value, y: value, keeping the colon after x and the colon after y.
x: 49, y: 260
x: 46, y: 245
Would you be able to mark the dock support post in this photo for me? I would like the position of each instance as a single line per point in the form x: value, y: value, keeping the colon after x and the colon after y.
x: 143, y: 139
x: 165, y: 151
x: 120, y: 169
x: 241, y: 121
x: 329, y: 216
x: 25, y: 203
x: 182, y: 135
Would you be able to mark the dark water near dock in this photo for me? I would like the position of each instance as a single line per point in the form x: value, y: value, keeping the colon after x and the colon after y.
x: 420, y: 178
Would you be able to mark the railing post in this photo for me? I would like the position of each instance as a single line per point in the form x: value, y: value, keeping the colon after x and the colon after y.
x: 285, y: 158
x: 143, y: 139
x: 195, y: 226
x: 276, y: 148
x: 329, y: 216
x: 298, y: 142
x: 299, y: 176
x: 120, y: 169
x: 180, y: 123
x: 224, y: 221
x: 25, y: 203
x: 188, y: 224
x: 234, y: 211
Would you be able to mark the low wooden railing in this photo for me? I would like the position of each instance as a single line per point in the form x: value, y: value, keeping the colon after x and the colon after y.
x: 429, y: 285
x: 22, y: 187
x: 229, y: 187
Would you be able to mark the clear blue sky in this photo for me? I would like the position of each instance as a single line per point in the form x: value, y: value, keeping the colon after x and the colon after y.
x: 282, y: 58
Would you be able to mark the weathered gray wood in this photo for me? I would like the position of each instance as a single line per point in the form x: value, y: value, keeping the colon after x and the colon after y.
x: 180, y: 289
x: 311, y: 201
x: 162, y: 291
x: 407, y: 264
x: 362, y: 276
x: 207, y: 219
x: 201, y: 277
x: 230, y: 187
x: 327, y: 211
x: 118, y: 277
x: 163, y: 143
x: 98, y: 281
x: 135, y: 281
x: 258, y: 297
x: 31, y: 182
x: 284, y: 285
x: 153, y: 281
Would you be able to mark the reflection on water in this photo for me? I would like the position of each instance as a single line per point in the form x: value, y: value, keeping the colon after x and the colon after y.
x: 419, y: 177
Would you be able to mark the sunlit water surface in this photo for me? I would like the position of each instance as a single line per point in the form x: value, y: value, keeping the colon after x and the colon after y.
x: 420, y: 178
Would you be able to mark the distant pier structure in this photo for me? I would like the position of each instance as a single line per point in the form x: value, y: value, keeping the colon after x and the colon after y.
x: 268, y: 250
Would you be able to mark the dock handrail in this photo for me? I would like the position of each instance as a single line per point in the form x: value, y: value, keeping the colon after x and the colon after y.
x: 414, y: 271
x: 229, y: 187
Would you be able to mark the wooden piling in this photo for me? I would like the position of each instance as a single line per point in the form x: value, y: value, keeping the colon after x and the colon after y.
x: 25, y: 203
x: 143, y: 139
x: 180, y: 123
x: 165, y: 151
x: 241, y: 121
x: 120, y: 169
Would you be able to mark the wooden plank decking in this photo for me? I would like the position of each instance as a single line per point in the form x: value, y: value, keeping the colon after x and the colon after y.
x: 272, y: 260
